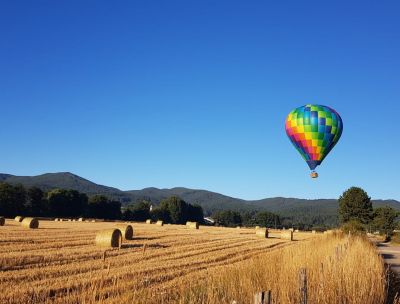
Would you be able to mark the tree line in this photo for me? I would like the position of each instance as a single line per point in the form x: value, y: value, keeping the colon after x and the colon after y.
x: 230, y: 218
x: 171, y: 210
x: 18, y: 200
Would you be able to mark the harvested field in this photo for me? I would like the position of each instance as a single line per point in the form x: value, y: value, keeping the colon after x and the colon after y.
x: 59, y: 262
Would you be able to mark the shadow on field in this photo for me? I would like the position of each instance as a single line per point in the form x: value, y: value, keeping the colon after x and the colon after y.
x: 128, y: 246
x: 392, y: 287
x: 146, y: 238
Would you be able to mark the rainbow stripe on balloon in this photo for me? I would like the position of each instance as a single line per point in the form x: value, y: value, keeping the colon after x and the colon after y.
x: 314, y: 130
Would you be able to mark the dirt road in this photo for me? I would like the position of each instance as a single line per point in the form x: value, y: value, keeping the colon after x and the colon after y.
x: 391, y: 254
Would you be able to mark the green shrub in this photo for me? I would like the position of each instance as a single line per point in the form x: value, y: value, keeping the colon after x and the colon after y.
x: 353, y: 226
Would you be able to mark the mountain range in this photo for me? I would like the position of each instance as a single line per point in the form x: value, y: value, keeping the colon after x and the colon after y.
x: 311, y: 211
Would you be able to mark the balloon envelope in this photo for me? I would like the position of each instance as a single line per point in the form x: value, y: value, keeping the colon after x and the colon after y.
x: 314, y: 130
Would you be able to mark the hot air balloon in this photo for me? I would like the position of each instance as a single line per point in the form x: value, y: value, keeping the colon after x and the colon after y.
x: 314, y: 130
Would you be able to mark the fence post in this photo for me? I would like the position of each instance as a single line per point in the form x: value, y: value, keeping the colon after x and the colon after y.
x: 303, y: 285
x: 259, y: 298
x: 262, y: 297
x: 268, y: 297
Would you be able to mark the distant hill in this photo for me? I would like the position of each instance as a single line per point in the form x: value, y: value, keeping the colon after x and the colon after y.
x: 310, y: 211
x: 64, y: 180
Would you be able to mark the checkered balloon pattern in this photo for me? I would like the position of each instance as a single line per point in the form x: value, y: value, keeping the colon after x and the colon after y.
x: 314, y: 130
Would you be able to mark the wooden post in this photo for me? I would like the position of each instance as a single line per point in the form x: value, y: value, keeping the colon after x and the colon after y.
x: 268, y: 297
x: 303, y: 285
x: 262, y: 297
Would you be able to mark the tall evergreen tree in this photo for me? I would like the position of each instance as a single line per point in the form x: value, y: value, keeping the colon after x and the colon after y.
x: 355, y: 204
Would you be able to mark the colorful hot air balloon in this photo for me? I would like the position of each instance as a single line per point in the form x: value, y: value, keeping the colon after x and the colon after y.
x: 314, y: 130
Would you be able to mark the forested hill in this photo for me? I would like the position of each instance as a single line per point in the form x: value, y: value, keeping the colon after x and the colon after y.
x: 310, y: 211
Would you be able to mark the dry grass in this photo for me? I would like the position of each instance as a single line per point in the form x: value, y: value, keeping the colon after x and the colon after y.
x: 60, y: 263
x: 340, y: 270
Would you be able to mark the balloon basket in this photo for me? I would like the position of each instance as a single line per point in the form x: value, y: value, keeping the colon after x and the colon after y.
x: 314, y: 174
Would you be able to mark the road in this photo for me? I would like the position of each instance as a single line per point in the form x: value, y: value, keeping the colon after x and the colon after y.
x: 391, y: 255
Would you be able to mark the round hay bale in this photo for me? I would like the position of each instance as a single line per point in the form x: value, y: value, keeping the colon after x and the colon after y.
x: 160, y: 223
x: 262, y: 232
x: 314, y: 232
x: 257, y: 227
x: 188, y: 223
x: 93, y: 221
x: 148, y: 221
x: 297, y: 230
x: 194, y: 225
x: 126, y: 231
x: 109, y: 238
x: 80, y: 219
x: 2, y: 221
x: 30, y: 222
x: 19, y: 218
x: 287, y: 235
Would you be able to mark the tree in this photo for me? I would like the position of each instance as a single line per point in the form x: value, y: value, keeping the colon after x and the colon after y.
x: 384, y: 220
x: 161, y: 214
x: 228, y: 218
x: 176, y: 208
x: 100, y: 206
x: 36, y: 204
x: 355, y: 204
x: 176, y: 211
x: 195, y: 213
x: 12, y: 199
x: 267, y: 219
x: 137, y: 212
x: 68, y: 203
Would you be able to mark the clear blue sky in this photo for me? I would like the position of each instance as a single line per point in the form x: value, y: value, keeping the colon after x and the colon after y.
x: 134, y: 94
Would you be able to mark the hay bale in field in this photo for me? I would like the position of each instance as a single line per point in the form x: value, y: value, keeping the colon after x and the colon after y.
x: 2, y: 221
x: 160, y: 223
x: 237, y: 227
x: 93, y: 221
x: 194, y: 225
x: 257, y: 227
x: 328, y: 232
x: 262, y: 232
x: 297, y: 230
x: 80, y: 219
x: 314, y: 231
x: 188, y: 223
x: 19, y: 218
x: 126, y: 231
x: 291, y: 229
x: 148, y: 221
x: 56, y: 219
x: 287, y: 235
x: 30, y: 222
x: 69, y: 220
x: 109, y: 238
